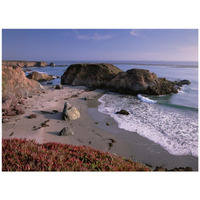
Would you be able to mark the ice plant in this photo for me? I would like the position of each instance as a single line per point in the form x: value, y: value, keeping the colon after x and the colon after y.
x: 27, y: 155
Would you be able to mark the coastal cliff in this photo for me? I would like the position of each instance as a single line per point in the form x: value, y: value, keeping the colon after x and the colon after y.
x: 19, y: 63
x: 15, y: 86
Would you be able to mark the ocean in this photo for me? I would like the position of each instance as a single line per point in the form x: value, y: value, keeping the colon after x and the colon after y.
x: 169, y: 120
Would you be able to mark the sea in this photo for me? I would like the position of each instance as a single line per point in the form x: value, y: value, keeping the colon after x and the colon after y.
x: 168, y: 120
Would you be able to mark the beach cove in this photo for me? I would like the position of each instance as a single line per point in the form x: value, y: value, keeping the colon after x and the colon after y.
x: 93, y: 128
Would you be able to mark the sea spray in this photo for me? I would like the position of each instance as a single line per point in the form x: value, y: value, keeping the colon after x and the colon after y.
x: 172, y: 128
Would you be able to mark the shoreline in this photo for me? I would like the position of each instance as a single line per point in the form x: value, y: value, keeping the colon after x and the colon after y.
x: 93, y: 128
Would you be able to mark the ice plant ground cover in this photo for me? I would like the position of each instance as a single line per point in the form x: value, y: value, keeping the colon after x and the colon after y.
x: 27, y: 155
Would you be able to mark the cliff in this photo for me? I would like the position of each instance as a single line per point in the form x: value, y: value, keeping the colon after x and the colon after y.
x: 15, y: 86
x: 19, y: 63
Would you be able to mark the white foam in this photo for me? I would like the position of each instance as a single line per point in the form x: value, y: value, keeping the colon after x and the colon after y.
x: 174, y: 131
x: 145, y: 99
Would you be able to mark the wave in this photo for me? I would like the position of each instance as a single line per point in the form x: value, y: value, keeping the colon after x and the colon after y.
x: 174, y: 129
x: 145, y: 99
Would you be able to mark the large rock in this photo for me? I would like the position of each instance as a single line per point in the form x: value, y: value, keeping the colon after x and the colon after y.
x: 136, y: 81
x: 90, y: 75
x: 14, y: 82
x: 40, y: 76
x: 15, y: 85
x: 107, y: 76
x: 70, y: 112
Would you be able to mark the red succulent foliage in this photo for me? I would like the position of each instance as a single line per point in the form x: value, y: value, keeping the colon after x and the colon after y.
x: 27, y: 155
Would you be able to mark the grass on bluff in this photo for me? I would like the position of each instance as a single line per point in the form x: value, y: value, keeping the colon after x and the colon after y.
x: 27, y: 155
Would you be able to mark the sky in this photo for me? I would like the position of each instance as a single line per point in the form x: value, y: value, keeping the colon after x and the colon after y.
x: 100, y: 44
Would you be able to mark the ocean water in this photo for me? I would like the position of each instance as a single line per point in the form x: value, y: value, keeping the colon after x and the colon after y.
x: 169, y: 120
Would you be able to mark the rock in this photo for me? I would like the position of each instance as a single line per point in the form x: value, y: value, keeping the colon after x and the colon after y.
x: 14, y: 82
x: 182, y: 82
x: 59, y: 87
x: 107, y: 76
x: 70, y: 113
x: 52, y: 64
x: 32, y: 116
x: 140, y: 81
x: 123, y: 112
x: 90, y: 75
x: 4, y: 120
x: 66, y: 132
x: 40, y: 76
x: 12, y: 106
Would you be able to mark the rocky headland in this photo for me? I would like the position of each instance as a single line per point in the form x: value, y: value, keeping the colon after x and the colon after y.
x: 111, y: 78
x: 24, y: 64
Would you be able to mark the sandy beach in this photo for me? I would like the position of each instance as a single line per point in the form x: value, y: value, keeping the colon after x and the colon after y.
x: 93, y: 128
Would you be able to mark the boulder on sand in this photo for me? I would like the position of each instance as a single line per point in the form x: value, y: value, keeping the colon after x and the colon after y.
x: 59, y: 87
x: 40, y: 76
x: 70, y: 113
x: 66, y: 132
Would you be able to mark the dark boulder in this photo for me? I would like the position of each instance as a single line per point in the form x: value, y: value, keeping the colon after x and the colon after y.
x: 59, y: 87
x: 123, y: 112
x: 182, y: 82
x: 52, y: 64
x: 90, y: 75
x: 66, y: 132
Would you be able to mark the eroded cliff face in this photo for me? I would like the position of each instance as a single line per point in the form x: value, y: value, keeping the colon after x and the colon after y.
x: 15, y: 86
x: 16, y: 63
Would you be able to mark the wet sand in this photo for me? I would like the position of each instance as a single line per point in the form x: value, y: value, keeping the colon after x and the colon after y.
x: 92, y: 129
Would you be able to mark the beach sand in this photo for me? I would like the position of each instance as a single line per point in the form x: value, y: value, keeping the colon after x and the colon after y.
x: 93, y: 128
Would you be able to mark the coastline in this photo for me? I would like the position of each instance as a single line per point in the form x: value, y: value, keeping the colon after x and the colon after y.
x: 93, y: 128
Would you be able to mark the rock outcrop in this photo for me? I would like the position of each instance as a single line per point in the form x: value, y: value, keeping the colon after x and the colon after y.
x: 52, y: 64
x: 107, y: 76
x: 40, y: 76
x: 90, y: 75
x: 15, y: 85
x: 19, y: 63
x: 14, y: 82
x: 140, y: 81
x: 182, y: 82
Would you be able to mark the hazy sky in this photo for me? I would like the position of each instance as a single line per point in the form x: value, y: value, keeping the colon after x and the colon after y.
x: 100, y: 44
